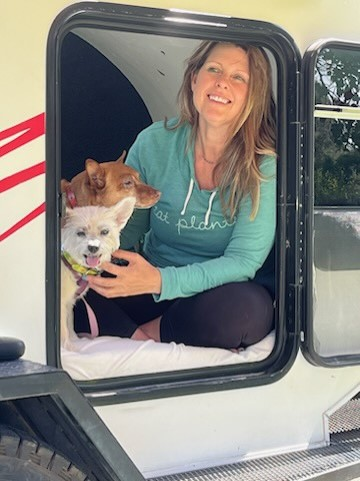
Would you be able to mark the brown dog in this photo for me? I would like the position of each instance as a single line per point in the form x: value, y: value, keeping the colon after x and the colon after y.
x: 107, y: 183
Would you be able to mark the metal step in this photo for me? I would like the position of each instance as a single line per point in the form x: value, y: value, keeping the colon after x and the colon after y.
x: 347, y: 418
x: 340, y: 461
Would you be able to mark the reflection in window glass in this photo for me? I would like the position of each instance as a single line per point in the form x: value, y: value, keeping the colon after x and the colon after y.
x: 337, y: 164
x: 337, y: 140
x: 336, y: 281
x: 337, y: 79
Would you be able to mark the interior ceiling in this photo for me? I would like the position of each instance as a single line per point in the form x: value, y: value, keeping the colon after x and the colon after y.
x: 153, y: 64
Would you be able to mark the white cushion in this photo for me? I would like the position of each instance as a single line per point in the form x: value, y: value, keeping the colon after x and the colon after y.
x: 106, y: 357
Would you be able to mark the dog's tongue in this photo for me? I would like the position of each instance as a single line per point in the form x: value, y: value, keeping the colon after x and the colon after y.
x: 92, y: 261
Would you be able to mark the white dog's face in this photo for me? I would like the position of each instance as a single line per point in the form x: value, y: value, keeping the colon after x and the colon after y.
x: 90, y: 234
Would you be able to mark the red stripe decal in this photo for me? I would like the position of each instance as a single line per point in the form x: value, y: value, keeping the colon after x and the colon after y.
x: 22, y: 176
x: 29, y: 129
x: 25, y: 220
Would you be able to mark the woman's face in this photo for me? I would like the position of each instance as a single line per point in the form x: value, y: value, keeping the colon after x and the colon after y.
x: 220, y: 87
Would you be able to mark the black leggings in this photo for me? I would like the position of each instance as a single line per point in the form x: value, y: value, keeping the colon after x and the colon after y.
x: 230, y: 316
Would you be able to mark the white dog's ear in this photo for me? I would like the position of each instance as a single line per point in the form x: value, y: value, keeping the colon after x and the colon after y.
x: 123, y: 210
x: 68, y: 214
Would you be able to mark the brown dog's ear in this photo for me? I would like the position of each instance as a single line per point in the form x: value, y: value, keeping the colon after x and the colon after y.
x: 95, y: 173
x: 64, y: 184
x: 121, y: 159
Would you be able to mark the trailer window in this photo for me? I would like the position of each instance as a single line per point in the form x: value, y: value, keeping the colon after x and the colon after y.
x: 109, y: 78
x: 336, y: 184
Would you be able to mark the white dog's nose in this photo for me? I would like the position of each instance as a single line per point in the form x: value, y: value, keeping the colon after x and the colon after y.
x: 93, y: 249
x: 93, y: 245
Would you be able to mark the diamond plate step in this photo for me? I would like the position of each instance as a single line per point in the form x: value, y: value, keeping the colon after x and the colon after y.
x: 338, y: 462
x: 347, y: 418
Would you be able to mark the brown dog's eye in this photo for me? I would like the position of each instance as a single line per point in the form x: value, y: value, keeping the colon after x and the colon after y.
x: 128, y: 183
x: 104, y: 232
x: 80, y: 233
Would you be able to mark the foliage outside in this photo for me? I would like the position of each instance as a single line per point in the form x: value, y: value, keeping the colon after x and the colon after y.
x: 337, y: 141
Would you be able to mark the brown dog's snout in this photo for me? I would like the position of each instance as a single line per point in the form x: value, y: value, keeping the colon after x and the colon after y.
x: 93, y: 249
x: 146, y: 196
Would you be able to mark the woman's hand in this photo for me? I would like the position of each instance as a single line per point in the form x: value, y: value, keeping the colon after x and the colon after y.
x: 138, y: 277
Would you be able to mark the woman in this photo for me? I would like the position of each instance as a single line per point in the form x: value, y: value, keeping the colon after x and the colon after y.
x: 214, y: 225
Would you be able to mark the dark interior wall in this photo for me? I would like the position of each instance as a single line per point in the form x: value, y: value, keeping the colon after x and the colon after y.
x: 101, y: 112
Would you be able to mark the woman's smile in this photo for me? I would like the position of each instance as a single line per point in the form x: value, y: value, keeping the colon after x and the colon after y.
x: 217, y: 98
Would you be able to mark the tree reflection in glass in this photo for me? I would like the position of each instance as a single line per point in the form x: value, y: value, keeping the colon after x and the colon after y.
x: 337, y: 140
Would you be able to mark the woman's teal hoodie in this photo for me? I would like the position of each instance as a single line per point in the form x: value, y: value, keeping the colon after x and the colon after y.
x: 195, y: 247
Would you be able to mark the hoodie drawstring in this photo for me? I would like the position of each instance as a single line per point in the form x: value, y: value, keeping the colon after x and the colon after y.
x: 207, y: 215
x: 191, y: 186
x: 211, y: 200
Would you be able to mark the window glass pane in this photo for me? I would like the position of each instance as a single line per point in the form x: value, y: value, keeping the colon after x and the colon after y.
x: 336, y: 268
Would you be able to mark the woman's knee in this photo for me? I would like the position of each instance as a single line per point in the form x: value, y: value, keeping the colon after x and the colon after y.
x: 258, y: 315
x: 230, y: 316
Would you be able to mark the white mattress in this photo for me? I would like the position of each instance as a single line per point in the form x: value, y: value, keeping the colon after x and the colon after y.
x: 107, y: 357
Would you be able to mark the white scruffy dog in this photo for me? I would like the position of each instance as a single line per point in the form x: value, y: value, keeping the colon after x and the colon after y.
x: 89, y: 236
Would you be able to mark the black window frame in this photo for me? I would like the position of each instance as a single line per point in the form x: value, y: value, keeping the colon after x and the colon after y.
x: 308, y: 101
x: 197, y: 26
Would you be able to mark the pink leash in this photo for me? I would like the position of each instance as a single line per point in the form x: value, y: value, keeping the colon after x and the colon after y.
x: 94, y: 328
